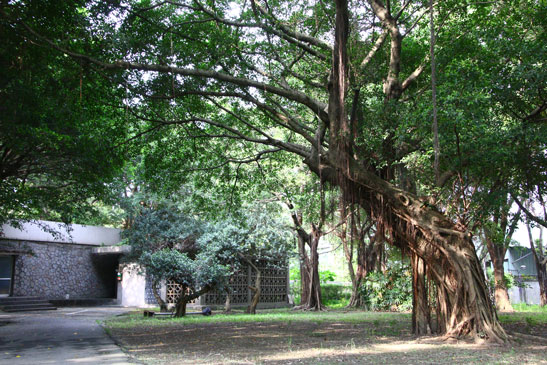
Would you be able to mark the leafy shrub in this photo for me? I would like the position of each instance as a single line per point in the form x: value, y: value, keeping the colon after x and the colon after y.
x: 325, y: 276
x: 388, y: 291
x: 332, y: 294
x: 508, y: 279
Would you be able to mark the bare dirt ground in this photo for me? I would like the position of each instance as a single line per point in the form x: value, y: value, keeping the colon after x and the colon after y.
x: 294, y: 342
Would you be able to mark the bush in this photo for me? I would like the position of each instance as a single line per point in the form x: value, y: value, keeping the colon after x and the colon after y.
x: 325, y: 276
x: 335, y: 293
x: 331, y: 294
x: 508, y: 279
x: 389, y: 291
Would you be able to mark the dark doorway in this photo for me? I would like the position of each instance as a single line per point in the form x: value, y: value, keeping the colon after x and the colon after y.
x: 107, y: 270
x: 6, y: 275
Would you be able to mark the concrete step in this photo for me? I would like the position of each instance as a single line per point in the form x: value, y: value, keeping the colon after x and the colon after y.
x: 28, y: 308
x: 83, y: 302
x: 24, y: 302
x: 9, y: 300
x: 21, y: 304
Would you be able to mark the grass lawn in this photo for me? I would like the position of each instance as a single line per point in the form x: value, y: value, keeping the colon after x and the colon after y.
x: 283, y: 336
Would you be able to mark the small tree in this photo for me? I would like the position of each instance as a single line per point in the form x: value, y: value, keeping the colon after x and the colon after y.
x: 164, y: 242
x: 196, y: 276
x: 258, y: 238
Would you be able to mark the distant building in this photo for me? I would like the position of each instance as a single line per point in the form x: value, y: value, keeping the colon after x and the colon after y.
x: 75, y: 263
x: 519, y: 262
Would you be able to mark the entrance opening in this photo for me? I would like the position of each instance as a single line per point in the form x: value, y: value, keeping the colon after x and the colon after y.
x: 107, y: 269
x: 6, y: 275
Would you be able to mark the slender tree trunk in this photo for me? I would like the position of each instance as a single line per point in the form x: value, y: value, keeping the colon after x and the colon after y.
x: 435, y: 127
x: 309, y: 264
x: 348, y: 242
x: 228, y: 302
x: 304, y: 262
x: 314, y: 301
x: 541, y: 264
x: 421, y: 318
x: 348, y: 245
x: 497, y: 254
x: 251, y: 309
x: 159, y: 300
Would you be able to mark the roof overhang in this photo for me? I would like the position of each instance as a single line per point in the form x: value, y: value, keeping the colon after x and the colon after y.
x: 111, y: 250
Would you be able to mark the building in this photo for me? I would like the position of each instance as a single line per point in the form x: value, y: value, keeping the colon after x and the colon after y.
x: 519, y: 262
x: 74, y: 264
x: 59, y: 262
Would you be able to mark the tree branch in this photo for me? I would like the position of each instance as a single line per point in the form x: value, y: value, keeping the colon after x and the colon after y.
x: 528, y: 213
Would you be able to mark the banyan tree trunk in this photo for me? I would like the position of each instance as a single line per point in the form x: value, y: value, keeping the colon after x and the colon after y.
x: 453, y: 265
x: 447, y: 251
x: 309, y: 264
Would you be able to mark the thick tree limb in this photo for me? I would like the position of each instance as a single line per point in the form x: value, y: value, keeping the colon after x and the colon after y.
x: 528, y: 213
x: 315, y: 106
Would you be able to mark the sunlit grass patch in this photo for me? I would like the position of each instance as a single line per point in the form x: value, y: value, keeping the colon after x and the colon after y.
x: 136, y: 319
x: 523, y: 307
x: 531, y: 316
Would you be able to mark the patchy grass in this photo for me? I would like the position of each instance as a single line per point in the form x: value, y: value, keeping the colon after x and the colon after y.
x: 293, y: 337
x: 530, y: 320
x: 136, y: 319
x: 522, y: 307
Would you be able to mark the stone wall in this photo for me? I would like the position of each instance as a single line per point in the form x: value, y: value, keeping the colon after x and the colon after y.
x: 53, y: 270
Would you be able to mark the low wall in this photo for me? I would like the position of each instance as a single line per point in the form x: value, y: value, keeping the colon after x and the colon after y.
x: 527, y: 295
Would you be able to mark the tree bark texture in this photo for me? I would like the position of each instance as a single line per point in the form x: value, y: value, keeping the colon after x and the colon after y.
x: 304, y: 262
x: 314, y: 301
x: 448, y: 252
x: 180, y: 308
x: 421, y: 317
x: 228, y: 302
x: 187, y: 296
x: 541, y: 265
x: 497, y: 254
x: 309, y: 264
x: 157, y: 296
x: 251, y: 309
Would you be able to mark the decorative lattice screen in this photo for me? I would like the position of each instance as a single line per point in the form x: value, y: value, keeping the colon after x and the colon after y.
x: 148, y: 293
x: 274, y: 285
x: 273, y: 288
x: 239, y: 283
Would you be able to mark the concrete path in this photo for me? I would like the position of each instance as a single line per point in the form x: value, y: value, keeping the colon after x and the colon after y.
x: 65, y: 336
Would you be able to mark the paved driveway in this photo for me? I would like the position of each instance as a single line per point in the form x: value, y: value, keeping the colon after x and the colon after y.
x: 65, y: 336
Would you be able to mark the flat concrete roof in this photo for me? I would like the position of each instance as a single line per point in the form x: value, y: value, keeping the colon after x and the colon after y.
x: 46, y: 231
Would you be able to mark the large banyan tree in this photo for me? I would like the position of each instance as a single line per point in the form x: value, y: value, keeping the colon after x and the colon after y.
x: 343, y: 86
